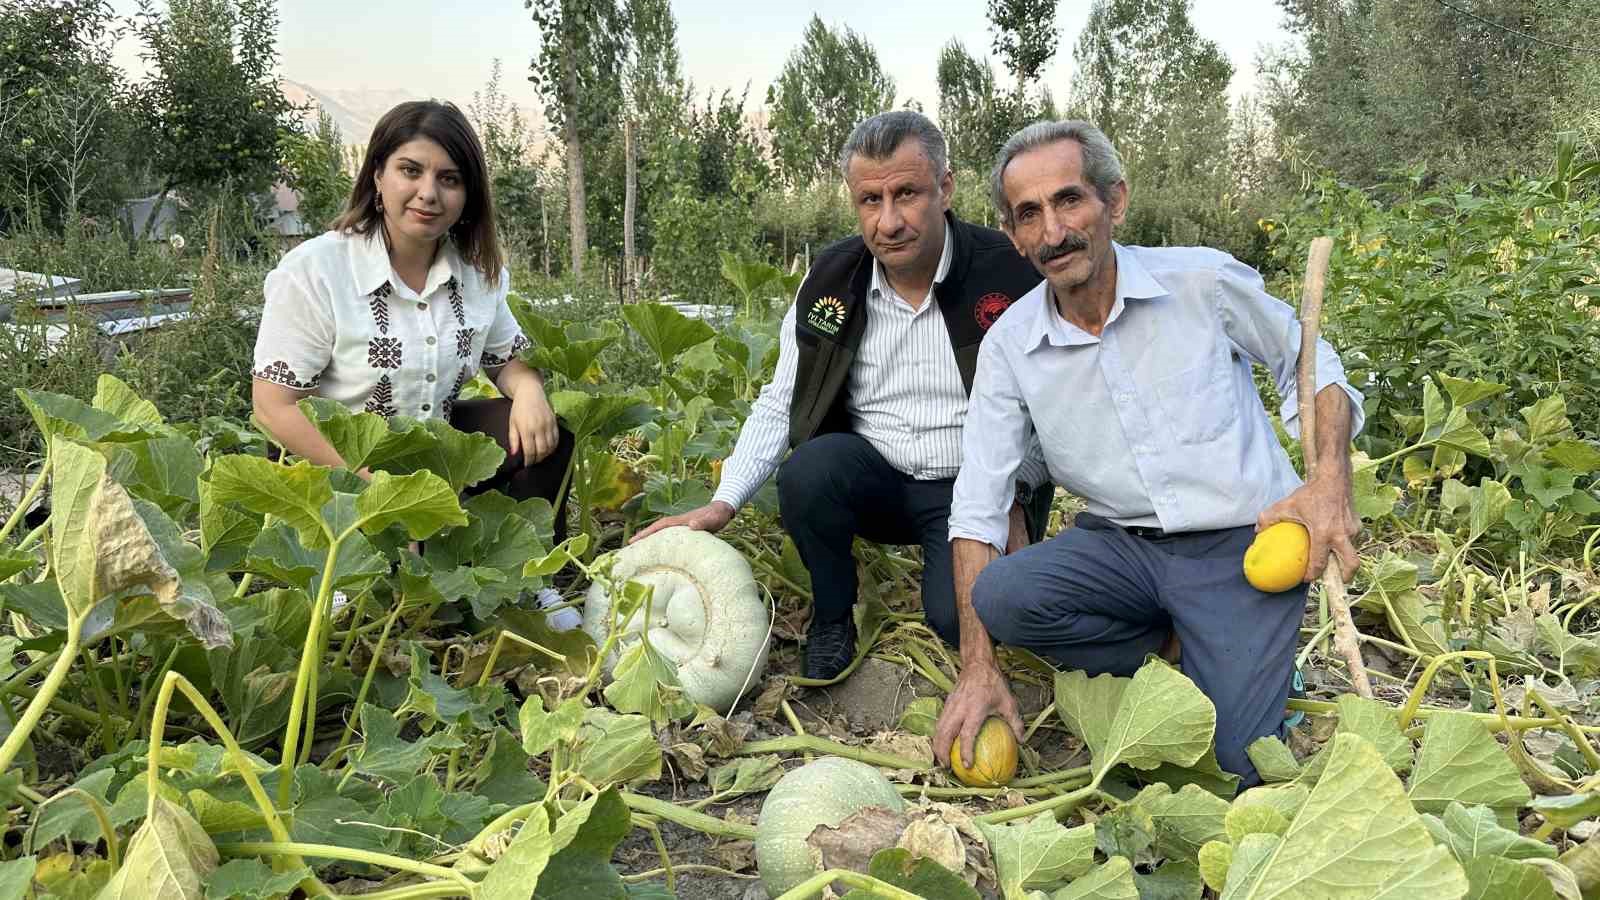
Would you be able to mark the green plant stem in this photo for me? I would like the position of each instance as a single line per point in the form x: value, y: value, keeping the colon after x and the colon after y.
x: 366, y: 680
x: 815, y: 744
x: 1083, y: 773
x: 21, y: 678
x: 309, y: 658
x: 26, y: 502
x: 411, y: 892
x: 966, y: 793
x: 349, y: 637
x: 687, y: 868
x: 147, y: 696
x: 928, y: 669
x: 102, y: 702
x: 348, y: 854
x: 1059, y: 805
x: 688, y: 818
x: 96, y: 808
x: 876, y: 888
x: 47, y: 691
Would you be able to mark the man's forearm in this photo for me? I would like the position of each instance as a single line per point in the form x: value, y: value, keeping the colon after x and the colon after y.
x: 1333, y: 433
x: 968, y: 558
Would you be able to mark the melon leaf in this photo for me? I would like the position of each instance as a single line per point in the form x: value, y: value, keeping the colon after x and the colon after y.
x: 1356, y: 836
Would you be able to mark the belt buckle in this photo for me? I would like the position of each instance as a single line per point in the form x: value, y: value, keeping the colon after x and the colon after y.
x: 1146, y: 532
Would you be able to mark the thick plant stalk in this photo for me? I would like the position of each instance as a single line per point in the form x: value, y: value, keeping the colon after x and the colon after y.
x: 811, y: 743
x: 41, y: 699
x: 688, y: 818
x: 1345, y: 637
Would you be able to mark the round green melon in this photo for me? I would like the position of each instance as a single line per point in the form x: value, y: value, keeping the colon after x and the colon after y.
x: 824, y: 792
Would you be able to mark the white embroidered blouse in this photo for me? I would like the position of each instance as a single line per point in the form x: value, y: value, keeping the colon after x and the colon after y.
x: 338, y: 322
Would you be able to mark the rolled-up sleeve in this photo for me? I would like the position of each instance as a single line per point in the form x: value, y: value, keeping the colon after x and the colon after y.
x: 296, y: 339
x: 1267, y: 331
x: 764, y: 439
x: 505, y: 338
x: 994, y: 442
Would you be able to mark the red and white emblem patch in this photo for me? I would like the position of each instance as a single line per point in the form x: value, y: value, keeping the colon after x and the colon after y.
x: 989, y: 308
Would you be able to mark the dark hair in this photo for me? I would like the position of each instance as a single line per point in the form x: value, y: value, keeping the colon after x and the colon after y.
x: 879, y: 136
x: 444, y: 124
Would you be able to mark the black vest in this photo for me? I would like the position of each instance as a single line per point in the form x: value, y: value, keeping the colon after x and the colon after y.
x: 986, y: 276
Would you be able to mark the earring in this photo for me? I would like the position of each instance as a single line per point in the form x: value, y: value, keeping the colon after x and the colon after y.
x: 377, y: 201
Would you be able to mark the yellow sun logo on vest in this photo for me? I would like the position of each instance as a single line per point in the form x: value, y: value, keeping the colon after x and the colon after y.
x: 826, y: 315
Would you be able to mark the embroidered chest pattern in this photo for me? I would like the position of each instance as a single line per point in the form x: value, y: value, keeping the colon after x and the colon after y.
x: 449, y: 403
x: 826, y: 315
x: 457, y: 304
x: 384, y: 353
x: 380, y: 307
x: 464, y: 338
x: 381, y: 400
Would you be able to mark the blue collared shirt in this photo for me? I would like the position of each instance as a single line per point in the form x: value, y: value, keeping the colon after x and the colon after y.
x: 1156, y: 422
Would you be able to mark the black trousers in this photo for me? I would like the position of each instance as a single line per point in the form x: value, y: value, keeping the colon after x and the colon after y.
x: 836, y: 487
x: 492, y: 417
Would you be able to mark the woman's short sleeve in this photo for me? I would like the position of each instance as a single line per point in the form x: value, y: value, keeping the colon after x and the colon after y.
x: 296, y: 340
x: 505, y: 339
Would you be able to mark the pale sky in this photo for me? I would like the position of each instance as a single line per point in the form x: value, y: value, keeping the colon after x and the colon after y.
x: 445, y: 50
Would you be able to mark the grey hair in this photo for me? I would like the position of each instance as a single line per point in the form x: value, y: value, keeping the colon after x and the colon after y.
x: 879, y: 136
x: 1102, y: 167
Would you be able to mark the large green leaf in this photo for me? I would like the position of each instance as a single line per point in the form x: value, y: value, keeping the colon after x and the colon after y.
x: 295, y: 494
x: 587, y: 415
x: 515, y: 875
x: 422, y: 502
x: 1495, y: 878
x: 1464, y: 392
x: 170, y: 857
x: 1113, y: 880
x: 112, y: 395
x: 1375, y: 723
x: 462, y: 459
x: 1038, y: 852
x: 616, y: 749
x: 252, y: 879
x: 1461, y: 761
x: 1161, y: 718
x: 384, y: 754
x: 666, y: 331
x: 58, y: 415
x: 76, y: 478
x: 1356, y: 837
x: 278, y: 554
x: 1471, y: 831
x: 352, y: 435
x: 165, y: 471
x: 1579, y: 456
x: 16, y: 877
x: 543, y: 729
x: 1087, y: 705
x: 1184, y: 820
x: 582, y: 869
x: 646, y: 682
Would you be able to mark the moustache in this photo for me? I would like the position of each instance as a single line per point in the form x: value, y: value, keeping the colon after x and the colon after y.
x: 1068, y: 244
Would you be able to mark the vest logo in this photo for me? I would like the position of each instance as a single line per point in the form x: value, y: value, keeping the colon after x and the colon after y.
x: 989, y: 307
x: 826, y: 315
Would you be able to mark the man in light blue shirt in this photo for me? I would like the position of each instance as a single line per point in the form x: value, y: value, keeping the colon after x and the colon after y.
x: 1132, y: 365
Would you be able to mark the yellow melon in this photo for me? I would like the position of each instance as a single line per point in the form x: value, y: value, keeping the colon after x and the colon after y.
x: 1276, y: 560
x: 994, y: 760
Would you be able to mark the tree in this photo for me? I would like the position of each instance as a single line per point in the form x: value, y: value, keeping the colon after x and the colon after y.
x: 64, y: 152
x: 829, y: 83
x: 1025, y: 35
x: 313, y: 166
x: 967, y: 108
x: 584, y: 45
x: 1159, y: 91
x: 212, y: 110
x: 1377, y: 85
x: 520, y: 185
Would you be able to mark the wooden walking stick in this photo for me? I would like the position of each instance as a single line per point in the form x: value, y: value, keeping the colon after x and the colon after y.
x: 1345, y: 636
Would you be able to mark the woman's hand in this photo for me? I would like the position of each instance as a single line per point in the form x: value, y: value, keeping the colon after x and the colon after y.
x: 532, y: 427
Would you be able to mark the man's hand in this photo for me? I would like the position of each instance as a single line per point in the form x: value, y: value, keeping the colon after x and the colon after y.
x: 711, y: 517
x: 980, y: 692
x: 1323, y: 505
x: 1017, y: 535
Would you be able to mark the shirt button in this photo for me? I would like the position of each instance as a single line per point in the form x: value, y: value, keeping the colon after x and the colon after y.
x: 431, y: 378
x: 422, y: 306
x: 426, y: 407
x: 432, y: 340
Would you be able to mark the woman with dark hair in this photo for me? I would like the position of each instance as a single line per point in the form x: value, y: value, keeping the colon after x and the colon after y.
x: 398, y: 305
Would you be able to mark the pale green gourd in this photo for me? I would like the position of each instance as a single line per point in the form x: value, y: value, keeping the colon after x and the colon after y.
x: 824, y: 792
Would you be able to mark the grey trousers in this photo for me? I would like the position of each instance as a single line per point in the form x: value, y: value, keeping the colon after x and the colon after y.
x: 1098, y: 598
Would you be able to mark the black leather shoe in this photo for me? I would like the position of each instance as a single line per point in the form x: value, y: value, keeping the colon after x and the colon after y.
x: 830, y: 646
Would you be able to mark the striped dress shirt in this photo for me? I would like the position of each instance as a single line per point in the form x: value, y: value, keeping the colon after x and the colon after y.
x: 906, y: 397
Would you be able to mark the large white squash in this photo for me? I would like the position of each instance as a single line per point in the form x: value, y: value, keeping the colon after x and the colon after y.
x: 824, y: 792
x: 706, y: 612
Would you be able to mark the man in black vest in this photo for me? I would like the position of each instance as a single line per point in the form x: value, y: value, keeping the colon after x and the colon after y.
x: 871, y: 386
